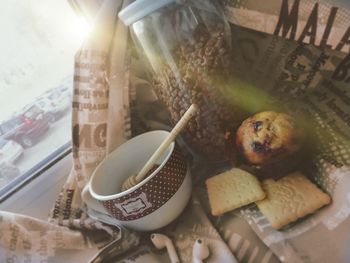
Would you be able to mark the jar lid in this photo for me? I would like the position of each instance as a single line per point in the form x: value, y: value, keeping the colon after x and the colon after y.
x: 140, y: 9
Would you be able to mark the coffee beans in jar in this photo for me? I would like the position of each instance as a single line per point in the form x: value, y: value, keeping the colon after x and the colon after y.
x: 192, y: 80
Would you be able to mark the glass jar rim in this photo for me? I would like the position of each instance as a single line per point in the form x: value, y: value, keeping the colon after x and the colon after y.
x: 141, y: 8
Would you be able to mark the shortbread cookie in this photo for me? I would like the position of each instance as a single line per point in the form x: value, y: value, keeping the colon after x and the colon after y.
x: 290, y: 198
x: 232, y: 189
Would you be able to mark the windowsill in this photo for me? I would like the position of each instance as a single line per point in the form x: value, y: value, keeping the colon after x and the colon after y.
x: 37, y: 198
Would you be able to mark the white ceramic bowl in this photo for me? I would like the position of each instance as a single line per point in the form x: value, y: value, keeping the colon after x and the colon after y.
x: 151, y: 204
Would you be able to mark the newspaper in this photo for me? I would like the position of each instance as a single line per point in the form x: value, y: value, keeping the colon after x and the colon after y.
x: 101, y: 117
x: 302, y: 59
x: 192, y: 224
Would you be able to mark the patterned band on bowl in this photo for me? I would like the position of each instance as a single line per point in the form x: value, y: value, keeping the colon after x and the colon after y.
x: 152, y: 195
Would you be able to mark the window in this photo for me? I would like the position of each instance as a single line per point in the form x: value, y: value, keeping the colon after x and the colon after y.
x: 39, y: 41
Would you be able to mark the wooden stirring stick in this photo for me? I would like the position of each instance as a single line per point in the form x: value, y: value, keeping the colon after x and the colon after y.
x: 135, y: 179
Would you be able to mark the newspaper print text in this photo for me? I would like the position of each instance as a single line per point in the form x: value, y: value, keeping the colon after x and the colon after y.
x: 288, y: 22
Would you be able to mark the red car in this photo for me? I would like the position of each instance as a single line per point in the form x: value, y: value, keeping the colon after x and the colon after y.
x: 25, y: 128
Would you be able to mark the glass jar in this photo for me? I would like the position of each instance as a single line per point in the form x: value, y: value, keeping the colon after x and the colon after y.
x: 186, y: 46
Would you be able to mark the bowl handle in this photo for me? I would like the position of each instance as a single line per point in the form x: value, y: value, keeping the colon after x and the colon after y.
x: 92, y: 202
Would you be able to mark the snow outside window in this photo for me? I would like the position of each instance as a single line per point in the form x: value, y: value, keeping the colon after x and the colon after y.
x: 39, y: 41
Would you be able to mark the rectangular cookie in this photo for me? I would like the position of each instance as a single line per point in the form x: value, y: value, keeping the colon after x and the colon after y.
x: 232, y: 189
x: 290, y: 198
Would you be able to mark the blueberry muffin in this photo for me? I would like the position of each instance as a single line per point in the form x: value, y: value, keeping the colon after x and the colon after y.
x: 269, y: 138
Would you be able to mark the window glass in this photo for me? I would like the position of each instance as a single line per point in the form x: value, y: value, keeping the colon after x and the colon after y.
x: 2, y: 143
x: 39, y: 41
